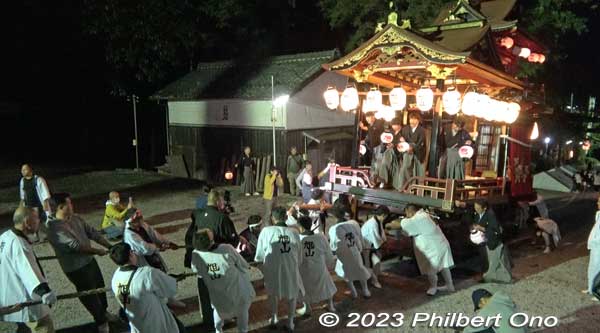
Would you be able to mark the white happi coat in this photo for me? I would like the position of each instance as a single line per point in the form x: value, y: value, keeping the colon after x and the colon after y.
x: 226, y: 275
x: 373, y: 234
x: 279, y: 249
x: 432, y: 249
x: 142, y: 248
x: 316, y: 259
x: 19, y: 276
x: 346, y: 240
x: 593, y: 244
x: 149, y: 289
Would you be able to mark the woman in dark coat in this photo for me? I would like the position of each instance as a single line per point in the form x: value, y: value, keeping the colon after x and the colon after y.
x: 247, y: 167
x: 499, y: 265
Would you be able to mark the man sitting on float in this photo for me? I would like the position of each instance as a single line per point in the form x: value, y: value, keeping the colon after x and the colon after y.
x: 452, y: 165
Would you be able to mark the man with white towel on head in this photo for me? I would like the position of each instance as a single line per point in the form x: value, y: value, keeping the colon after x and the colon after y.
x: 347, y: 242
x: 432, y: 249
x: 227, y: 277
x: 145, y: 242
x: 279, y: 249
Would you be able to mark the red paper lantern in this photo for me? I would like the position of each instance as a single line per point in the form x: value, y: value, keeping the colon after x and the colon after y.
x: 507, y: 42
x: 534, y: 57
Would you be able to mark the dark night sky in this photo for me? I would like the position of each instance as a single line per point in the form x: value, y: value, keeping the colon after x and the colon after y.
x: 56, y: 82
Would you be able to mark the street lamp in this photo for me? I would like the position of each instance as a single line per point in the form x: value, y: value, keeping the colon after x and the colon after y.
x: 278, y: 102
x: 547, y: 141
x: 134, y: 100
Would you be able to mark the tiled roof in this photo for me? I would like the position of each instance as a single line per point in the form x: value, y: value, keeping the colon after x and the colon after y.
x: 247, y: 80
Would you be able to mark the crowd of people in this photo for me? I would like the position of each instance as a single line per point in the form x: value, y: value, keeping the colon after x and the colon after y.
x: 294, y: 249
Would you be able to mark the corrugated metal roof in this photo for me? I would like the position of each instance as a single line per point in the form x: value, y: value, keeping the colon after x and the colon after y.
x: 247, y: 80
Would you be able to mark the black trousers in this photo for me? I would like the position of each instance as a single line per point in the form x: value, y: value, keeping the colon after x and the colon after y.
x: 207, y: 312
x: 86, y: 278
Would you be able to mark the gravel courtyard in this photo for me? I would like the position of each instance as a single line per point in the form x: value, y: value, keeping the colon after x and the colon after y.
x: 547, y: 285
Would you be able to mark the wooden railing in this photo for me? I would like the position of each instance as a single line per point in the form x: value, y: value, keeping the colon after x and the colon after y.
x: 349, y: 176
x: 447, y: 190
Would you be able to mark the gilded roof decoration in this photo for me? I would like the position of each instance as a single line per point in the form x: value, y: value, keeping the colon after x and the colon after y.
x: 393, y: 39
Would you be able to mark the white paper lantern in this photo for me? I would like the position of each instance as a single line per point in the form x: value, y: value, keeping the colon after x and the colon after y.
x: 349, y: 100
x: 493, y: 112
x: 373, y: 100
x: 398, y: 98
x: 501, y: 111
x: 477, y: 237
x: 513, y: 112
x: 524, y: 53
x: 451, y: 101
x: 388, y: 112
x: 332, y: 98
x: 470, y: 103
x: 465, y: 152
x: 484, y: 106
x: 424, y: 99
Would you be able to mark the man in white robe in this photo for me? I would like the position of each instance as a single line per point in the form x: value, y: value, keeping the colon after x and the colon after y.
x: 21, y: 276
x: 316, y: 260
x: 374, y: 238
x: 432, y: 249
x: 145, y: 242
x: 279, y: 250
x: 145, y: 293
x: 227, y: 278
x: 347, y: 242
x: 593, y: 244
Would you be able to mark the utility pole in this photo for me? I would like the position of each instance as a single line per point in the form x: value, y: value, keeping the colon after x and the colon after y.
x: 134, y: 100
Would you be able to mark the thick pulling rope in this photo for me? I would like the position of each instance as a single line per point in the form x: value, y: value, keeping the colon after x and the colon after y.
x: 178, y: 277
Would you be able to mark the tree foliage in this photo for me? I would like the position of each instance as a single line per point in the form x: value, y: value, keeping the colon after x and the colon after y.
x: 360, y: 18
x: 150, y: 41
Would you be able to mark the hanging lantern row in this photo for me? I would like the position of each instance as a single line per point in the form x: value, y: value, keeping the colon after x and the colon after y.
x: 482, y: 106
x: 473, y: 104
x: 522, y: 52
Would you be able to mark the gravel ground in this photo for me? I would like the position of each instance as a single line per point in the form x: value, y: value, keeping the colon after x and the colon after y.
x: 539, y: 290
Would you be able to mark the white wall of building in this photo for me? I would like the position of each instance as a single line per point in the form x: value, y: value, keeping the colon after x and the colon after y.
x: 224, y: 113
x: 305, y: 110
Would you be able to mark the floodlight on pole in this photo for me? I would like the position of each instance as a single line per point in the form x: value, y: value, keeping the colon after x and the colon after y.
x: 547, y: 140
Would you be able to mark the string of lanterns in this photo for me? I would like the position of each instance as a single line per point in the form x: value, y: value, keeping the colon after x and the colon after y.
x: 471, y: 104
x: 522, y: 52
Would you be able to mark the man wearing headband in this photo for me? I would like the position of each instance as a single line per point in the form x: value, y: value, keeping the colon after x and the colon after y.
x: 141, y: 292
x: 488, y: 305
x: 227, y: 277
x: 316, y: 261
x: 374, y: 236
x: 279, y: 251
x: 391, y: 164
x: 145, y: 242
x: 432, y: 249
x: 347, y: 243
x: 71, y: 236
